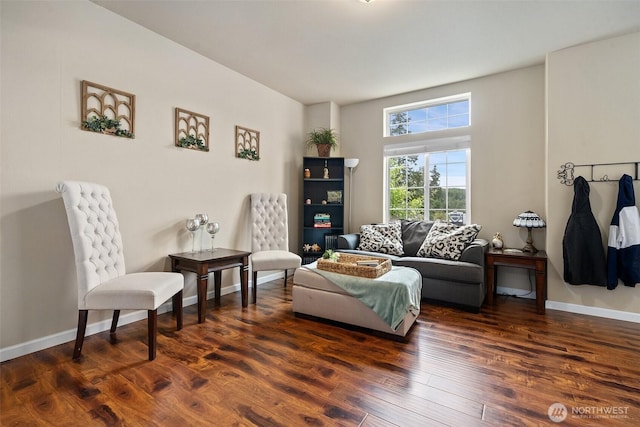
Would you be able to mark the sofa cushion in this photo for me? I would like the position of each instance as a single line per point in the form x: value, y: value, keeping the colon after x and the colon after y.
x: 446, y: 270
x: 448, y: 241
x: 383, y: 238
x: 413, y: 235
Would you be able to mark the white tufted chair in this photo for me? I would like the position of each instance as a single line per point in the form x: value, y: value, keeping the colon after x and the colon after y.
x: 102, y: 281
x: 270, y: 236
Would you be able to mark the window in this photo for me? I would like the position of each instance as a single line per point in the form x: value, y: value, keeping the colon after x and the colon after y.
x: 437, y: 114
x: 406, y: 184
x: 427, y: 181
x: 448, y: 186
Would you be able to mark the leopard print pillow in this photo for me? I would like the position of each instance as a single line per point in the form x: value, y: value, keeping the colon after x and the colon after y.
x: 383, y: 238
x: 448, y: 241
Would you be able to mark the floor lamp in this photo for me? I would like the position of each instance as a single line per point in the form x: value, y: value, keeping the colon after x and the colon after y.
x: 350, y: 164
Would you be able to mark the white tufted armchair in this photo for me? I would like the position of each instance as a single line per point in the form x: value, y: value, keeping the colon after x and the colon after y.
x: 270, y: 236
x: 102, y: 281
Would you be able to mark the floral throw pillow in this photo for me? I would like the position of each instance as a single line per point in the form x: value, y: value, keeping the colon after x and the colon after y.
x: 448, y: 241
x: 383, y: 238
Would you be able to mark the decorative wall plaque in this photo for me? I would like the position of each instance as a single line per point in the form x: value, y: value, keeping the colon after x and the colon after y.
x: 247, y: 143
x: 107, y: 110
x: 192, y: 130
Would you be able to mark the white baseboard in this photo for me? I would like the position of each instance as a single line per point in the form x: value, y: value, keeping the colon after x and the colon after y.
x: 594, y: 311
x: 573, y: 308
x: 38, y: 344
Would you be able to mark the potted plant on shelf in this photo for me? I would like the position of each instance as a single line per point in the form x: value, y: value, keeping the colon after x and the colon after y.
x: 324, y: 139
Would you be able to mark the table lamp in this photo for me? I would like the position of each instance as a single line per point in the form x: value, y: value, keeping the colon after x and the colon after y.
x: 529, y: 220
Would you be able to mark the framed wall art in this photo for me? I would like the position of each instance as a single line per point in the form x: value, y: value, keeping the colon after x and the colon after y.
x: 192, y: 130
x: 107, y: 110
x: 247, y: 143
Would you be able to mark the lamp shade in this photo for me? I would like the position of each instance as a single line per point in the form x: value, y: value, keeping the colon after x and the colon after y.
x: 529, y: 219
x: 351, y: 163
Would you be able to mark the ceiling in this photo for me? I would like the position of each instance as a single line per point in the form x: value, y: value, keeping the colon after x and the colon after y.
x: 348, y: 51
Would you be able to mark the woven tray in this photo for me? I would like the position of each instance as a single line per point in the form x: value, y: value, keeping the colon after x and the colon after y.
x: 346, y: 264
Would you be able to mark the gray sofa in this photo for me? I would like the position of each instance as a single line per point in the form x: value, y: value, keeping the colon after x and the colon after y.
x: 461, y: 282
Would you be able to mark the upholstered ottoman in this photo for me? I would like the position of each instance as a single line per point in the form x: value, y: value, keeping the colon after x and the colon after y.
x: 316, y: 294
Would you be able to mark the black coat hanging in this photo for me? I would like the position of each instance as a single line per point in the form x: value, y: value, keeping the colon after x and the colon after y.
x: 583, y: 250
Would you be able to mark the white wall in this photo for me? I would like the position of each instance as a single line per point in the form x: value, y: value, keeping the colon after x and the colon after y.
x: 507, y: 154
x: 323, y: 115
x: 47, y: 49
x: 593, y: 117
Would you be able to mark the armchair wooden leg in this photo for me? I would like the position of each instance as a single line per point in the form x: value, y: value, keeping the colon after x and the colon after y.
x: 152, y: 324
x: 255, y: 286
x: 177, y: 309
x: 82, y: 326
x: 285, y: 278
x: 114, y: 321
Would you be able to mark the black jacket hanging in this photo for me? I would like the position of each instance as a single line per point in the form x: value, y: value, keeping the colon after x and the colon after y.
x: 583, y: 251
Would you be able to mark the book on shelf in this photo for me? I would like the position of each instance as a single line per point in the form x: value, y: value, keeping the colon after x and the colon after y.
x: 322, y: 220
x: 322, y: 225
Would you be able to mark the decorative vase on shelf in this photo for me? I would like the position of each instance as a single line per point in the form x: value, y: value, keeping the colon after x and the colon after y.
x: 497, y: 241
x: 324, y: 150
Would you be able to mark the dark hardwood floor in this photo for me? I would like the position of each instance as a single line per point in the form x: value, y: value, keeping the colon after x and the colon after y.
x: 263, y: 366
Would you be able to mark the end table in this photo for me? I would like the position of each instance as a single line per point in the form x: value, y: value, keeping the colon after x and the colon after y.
x: 531, y: 261
x: 204, y: 262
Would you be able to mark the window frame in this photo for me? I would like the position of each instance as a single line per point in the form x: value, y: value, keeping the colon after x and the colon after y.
x: 428, y: 147
x: 387, y: 112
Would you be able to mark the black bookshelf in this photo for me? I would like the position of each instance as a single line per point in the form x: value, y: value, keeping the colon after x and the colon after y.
x: 320, y: 208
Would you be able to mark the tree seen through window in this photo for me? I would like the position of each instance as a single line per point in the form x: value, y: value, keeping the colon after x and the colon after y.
x: 446, y: 186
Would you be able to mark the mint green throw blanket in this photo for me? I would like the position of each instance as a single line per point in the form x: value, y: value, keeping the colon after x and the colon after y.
x: 391, y: 296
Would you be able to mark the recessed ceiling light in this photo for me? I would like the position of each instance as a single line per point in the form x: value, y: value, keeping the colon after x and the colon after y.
x: 366, y: 1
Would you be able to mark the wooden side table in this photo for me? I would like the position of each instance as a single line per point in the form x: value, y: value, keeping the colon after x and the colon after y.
x: 536, y: 262
x: 204, y: 262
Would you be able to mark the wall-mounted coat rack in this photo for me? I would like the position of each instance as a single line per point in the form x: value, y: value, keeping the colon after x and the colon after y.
x: 566, y: 172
